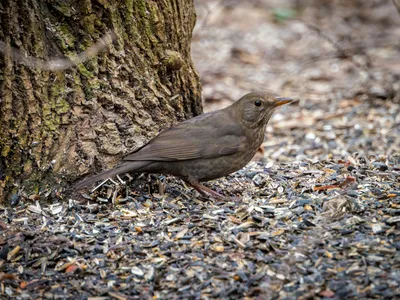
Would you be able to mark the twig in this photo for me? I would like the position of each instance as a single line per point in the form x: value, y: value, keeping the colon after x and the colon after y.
x: 342, y: 52
x: 397, y: 4
x: 100, y: 185
x: 208, y: 15
x: 63, y: 63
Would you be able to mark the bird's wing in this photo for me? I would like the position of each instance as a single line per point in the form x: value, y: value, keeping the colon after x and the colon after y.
x: 191, y: 140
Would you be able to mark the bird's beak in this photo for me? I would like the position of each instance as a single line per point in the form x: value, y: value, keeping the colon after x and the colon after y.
x: 282, y: 101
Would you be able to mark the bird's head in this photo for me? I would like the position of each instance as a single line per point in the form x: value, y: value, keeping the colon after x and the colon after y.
x: 255, y: 109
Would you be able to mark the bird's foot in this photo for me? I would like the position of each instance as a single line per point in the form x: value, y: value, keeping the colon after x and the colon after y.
x: 205, y: 191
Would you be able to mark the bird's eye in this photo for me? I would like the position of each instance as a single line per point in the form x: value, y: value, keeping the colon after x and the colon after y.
x: 257, y: 103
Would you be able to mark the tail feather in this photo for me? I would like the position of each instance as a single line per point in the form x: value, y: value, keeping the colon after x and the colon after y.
x: 124, y: 168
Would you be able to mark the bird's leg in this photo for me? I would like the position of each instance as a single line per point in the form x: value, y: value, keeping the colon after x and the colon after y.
x: 205, y: 190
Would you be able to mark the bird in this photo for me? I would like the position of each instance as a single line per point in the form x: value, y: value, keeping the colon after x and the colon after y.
x: 203, y: 148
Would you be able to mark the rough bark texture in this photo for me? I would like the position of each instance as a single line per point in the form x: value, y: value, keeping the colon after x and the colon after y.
x: 57, y: 126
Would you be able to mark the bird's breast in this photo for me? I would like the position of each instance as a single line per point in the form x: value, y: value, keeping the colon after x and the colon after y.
x: 216, y: 167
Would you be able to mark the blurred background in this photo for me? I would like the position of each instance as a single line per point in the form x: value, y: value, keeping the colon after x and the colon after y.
x: 339, y: 58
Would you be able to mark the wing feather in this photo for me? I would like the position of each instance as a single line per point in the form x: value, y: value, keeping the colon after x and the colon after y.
x: 191, y: 140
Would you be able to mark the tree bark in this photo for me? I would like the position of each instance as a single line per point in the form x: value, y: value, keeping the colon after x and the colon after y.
x: 58, y: 126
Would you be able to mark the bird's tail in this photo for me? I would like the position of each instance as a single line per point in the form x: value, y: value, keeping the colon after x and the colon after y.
x: 130, y: 166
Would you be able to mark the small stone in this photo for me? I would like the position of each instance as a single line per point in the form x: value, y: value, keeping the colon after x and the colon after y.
x: 380, y: 166
x: 393, y: 220
x: 379, y: 91
x: 376, y: 228
x: 352, y: 193
x: 14, y: 199
x: 280, y: 276
x: 310, y: 136
x: 218, y: 248
x: 137, y: 271
x: 251, y: 174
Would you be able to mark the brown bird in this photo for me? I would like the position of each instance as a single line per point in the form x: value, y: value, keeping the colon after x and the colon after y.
x: 206, y: 147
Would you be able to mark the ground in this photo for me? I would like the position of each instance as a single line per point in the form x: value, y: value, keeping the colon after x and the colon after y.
x: 317, y: 218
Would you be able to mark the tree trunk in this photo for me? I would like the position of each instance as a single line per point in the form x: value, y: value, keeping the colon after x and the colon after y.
x: 58, y: 126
